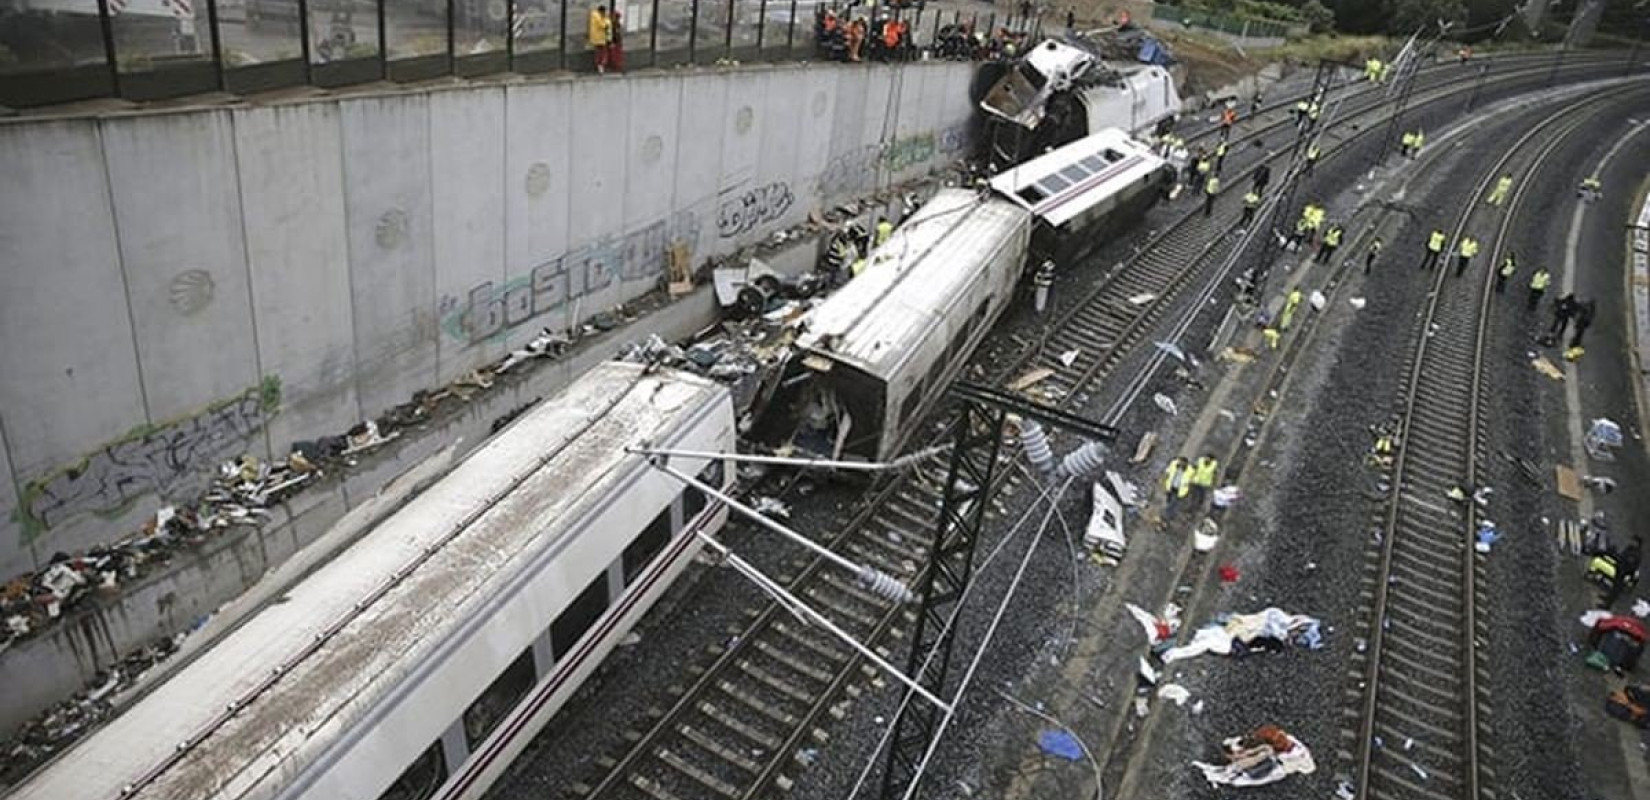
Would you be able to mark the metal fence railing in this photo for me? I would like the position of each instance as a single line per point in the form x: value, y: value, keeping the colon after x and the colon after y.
x: 54, y: 51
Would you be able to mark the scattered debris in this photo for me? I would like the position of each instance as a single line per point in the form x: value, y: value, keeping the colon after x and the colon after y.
x: 1599, y: 484
x: 1569, y: 484
x: 1105, y: 529
x: 1174, y: 693
x: 1357, y: 303
x: 1226, y: 496
x: 1641, y: 608
x: 1143, y: 449
x: 1603, y: 437
x: 1126, y: 491
x: 1486, y: 536
x: 1237, y: 355
x: 1545, y: 367
x: 1148, y: 675
x: 1160, y: 628
x: 1267, y: 755
x: 1029, y: 379
x: 1165, y: 403
x: 1271, y: 629
x: 1318, y: 301
x: 1206, y: 536
x: 1060, y: 744
x: 1228, y: 573
x: 1142, y: 299
x: 1175, y: 352
x: 1142, y: 707
x: 771, y: 507
x: 1070, y: 357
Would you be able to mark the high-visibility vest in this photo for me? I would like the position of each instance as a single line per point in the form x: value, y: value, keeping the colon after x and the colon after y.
x: 1301, y: 107
x: 1177, y: 478
x: 1420, y: 139
x: 1251, y: 200
x: 1213, y: 186
x: 859, y: 266
x: 1314, y: 217
x: 1539, y: 280
x: 1220, y: 149
x: 1313, y: 111
x: 1409, y: 139
x: 1508, y: 267
x: 1203, y: 166
x: 1436, y: 242
x: 1312, y: 153
x: 1333, y: 237
x: 1293, y: 302
x: 1502, y: 185
x: 1469, y: 247
x: 885, y: 229
x: 1204, y: 473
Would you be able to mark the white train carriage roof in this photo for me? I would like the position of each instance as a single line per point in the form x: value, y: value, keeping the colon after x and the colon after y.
x: 558, y: 459
x: 876, y: 321
x: 1059, y: 185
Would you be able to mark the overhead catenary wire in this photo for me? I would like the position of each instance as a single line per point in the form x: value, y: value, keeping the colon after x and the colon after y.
x: 888, y: 730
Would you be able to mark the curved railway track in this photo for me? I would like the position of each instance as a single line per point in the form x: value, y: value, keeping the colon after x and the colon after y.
x: 1419, y: 727
x: 736, y: 729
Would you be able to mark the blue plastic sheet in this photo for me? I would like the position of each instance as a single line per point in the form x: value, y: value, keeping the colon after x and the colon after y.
x: 1060, y: 744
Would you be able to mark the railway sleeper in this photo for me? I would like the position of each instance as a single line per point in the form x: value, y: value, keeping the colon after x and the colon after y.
x: 722, y: 751
x: 1412, y: 785
x: 1412, y: 657
x: 727, y: 720
x: 694, y: 773
x: 652, y: 788
x: 774, y: 682
x: 1414, y: 722
x: 756, y: 705
x: 817, y: 646
x: 768, y: 649
x: 836, y: 604
x: 1406, y: 741
x: 1439, y: 647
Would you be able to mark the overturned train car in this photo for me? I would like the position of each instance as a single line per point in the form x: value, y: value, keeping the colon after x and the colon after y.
x: 876, y: 355
x: 1059, y: 93
x: 417, y: 663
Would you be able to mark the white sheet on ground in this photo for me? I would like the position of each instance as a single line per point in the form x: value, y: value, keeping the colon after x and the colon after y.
x: 1297, y: 761
x: 1273, y: 623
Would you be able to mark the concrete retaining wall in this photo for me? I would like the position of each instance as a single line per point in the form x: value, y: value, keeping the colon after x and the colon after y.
x: 186, y: 286
x: 180, y: 286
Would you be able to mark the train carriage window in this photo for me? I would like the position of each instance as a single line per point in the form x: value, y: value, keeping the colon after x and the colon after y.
x: 1074, y: 173
x: 572, y: 623
x: 421, y: 779
x: 495, y: 702
x: 640, y: 552
x: 694, y: 501
x: 1053, y: 183
x: 1112, y: 156
x: 1032, y: 194
x: 1093, y: 163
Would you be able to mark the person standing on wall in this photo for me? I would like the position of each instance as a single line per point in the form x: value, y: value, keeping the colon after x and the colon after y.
x: 600, y: 32
x: 615, y: 46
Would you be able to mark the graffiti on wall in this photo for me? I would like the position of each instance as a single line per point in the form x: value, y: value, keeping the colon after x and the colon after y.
x: 741, y: 211
x: 490, y: 309
x: 168, y: 460
x: 857, y: 169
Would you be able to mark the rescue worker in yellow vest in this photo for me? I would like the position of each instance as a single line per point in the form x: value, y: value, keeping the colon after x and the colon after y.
x: 1463, y: 258
x: 1372, y: 69
x: 1272, y: 336
x: 885, y: 229
x: 1204, y: 473
x: 1509, y: 265
x: 1177, y: 483
x: 1538, y: 287
x: 1381, y: 453
x: 1372, y: 253
x: 1331, y: 240
x: 1386, y: 69
x: 1406, y: 143
x: 1251, y: 204
x: 1435, y: 248
x: 1312, y: 154
x: 1498, y: 195
x: 1315, y: 216
x: 1289, y: 305
x: 859, y: 266
x: 1301, y: 108
x: 1211, y: 187
x: 1591, y: 189
x: 1220, y: 156
x: 1312, y: 113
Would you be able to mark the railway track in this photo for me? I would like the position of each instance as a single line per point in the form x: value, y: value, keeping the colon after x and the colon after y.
x: 741, y: 726
x: 1418, y: 731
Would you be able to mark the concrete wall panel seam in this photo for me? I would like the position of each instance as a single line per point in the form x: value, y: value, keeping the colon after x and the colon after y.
x: 120, y: 267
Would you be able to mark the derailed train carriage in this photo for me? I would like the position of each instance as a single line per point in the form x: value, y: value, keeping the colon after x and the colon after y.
x: 421, y: 660
x: 876, y: 355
